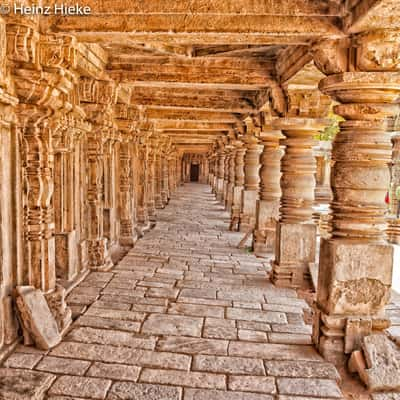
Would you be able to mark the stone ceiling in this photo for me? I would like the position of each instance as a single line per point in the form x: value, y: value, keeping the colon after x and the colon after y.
x: 198, y: 68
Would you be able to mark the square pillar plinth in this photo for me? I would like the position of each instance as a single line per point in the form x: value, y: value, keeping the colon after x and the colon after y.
x: 354, y: 286
x: 266, y: 225
x: 248, y: 214
x: 66, y: 256
x: 220, y: 189
x: 295, y: 250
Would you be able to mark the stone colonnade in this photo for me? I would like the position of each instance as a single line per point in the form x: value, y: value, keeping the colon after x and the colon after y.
x: 356, y: 262
x: 81, y: 173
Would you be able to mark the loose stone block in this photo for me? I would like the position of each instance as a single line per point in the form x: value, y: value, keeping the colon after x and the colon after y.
x: 139, y: 391
x: 37, y: 317
x: 24, y: 385
x: 383, y: 364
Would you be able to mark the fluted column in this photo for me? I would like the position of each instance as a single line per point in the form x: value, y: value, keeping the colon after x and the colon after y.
x: 270, y: 193
x: 356, y: 263
x: 239, y: 184
x: 251, y: 183
x: 296, y: 234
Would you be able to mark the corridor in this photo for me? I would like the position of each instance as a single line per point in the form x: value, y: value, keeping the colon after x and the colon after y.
x: 185, y: 315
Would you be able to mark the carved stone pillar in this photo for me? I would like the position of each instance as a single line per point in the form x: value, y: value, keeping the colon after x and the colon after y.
x: 239, y: 184
x: 128, y: 235
x: 250, y: 194
x: 165, y: 180
x: 231, y: 180
x: 296, y: 233
x: 270, y: 193
x: 356, y: 263
x: 220, y: 175
x: 150, y: 183
x: 142, y: 193
x: 226, y: 173
x: 158, y: 180
x: 97, y: 98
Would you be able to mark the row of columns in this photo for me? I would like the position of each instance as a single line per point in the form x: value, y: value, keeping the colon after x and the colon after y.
x: 356, y: 262
x: 81, y: 174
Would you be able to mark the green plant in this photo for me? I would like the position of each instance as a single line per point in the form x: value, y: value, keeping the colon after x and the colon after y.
x: 329, y: 133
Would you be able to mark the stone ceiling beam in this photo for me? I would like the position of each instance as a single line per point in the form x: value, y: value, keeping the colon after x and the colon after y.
x: 194, y: 28
x: 191, y: 74
x: 373, y: 14
x: 192, y: 125
x: 243, y: 7
x: 191, y: 115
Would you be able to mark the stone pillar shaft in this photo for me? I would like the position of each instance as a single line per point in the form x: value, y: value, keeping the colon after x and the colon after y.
x: 250, y: 194
x: 356, y: 262
x: 296, y: 234
x: 270, y: 194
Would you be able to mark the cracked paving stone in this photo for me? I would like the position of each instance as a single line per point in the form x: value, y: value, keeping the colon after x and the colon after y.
x: 192, y: 345
x: 111, y: 337
x: 160, y: 324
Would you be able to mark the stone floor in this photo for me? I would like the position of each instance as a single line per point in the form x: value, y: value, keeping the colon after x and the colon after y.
x: 185, y: 315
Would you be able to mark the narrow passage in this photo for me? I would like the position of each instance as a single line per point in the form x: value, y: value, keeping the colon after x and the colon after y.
x: 184, y: 316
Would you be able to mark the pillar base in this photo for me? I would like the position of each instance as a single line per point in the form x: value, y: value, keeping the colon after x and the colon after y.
x: 220, y: 189
x: 229, y: 197
x: 295, y: 252
x: 158, y: 202
x: 354, y: 286
x: 66, y: 256
x: 99, y: 256
x: 265, y: 232
x: 248, y: 214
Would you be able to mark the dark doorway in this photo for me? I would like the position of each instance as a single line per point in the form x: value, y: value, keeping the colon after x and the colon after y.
x: 194, y: 172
